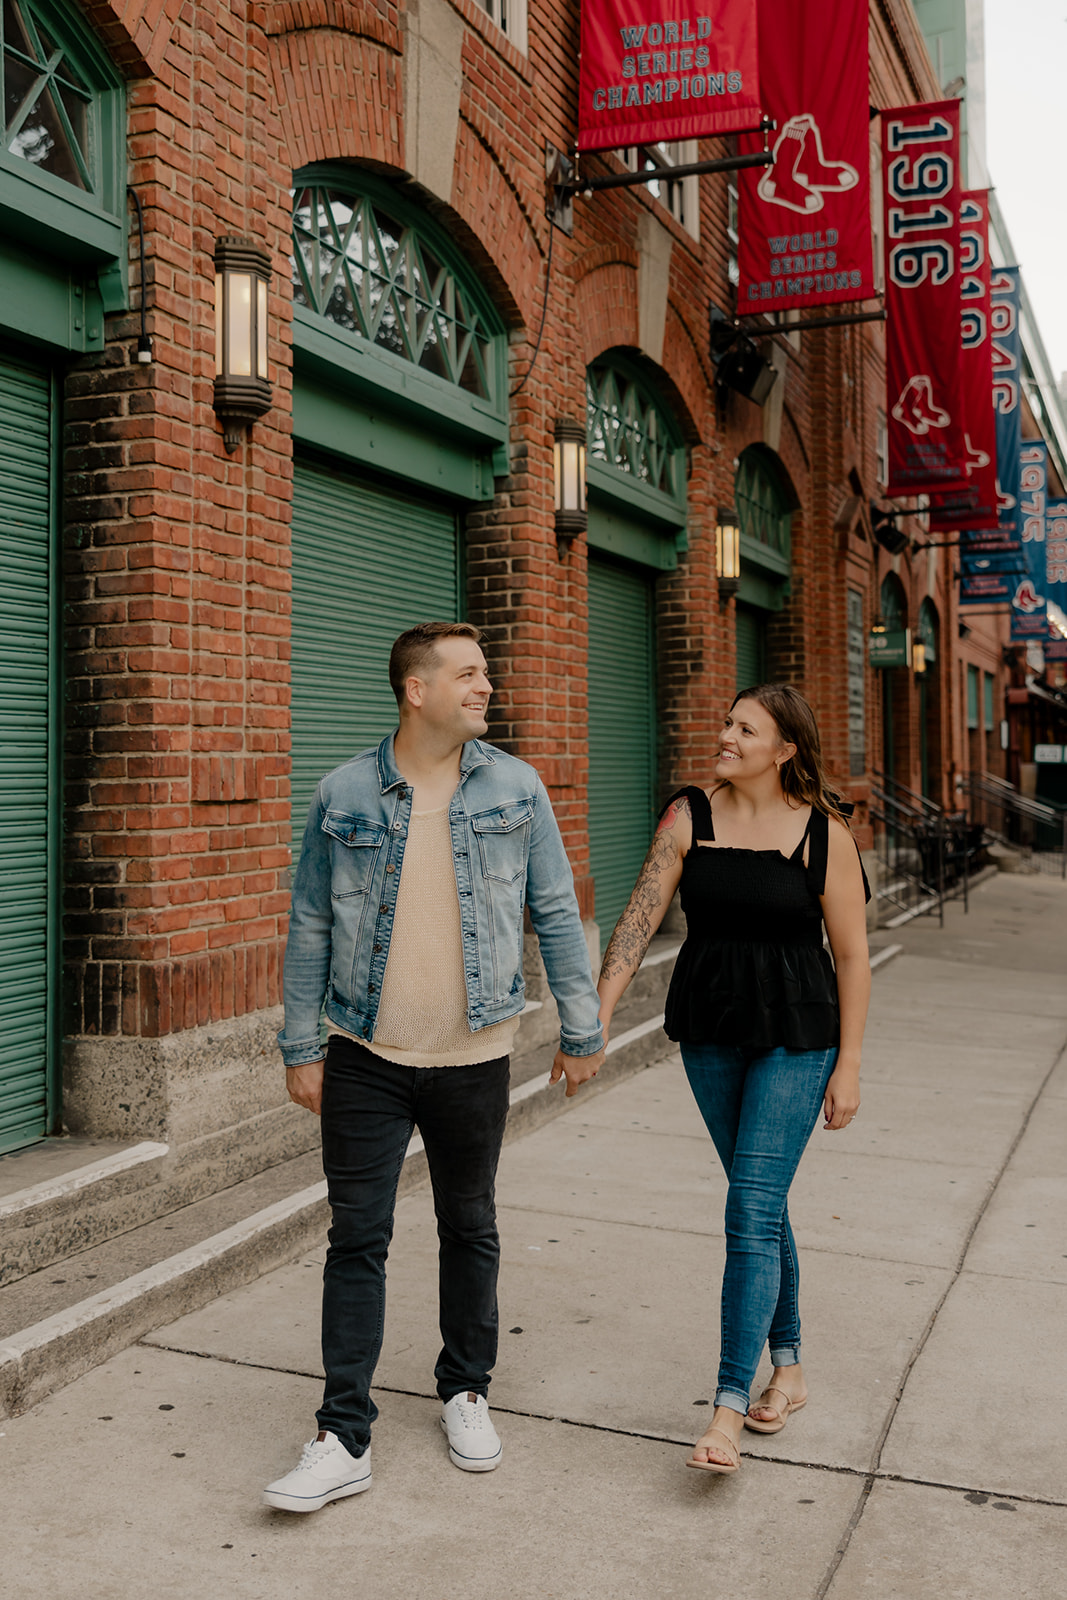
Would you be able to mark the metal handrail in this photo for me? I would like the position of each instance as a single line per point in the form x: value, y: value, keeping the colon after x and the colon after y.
x: 893, y: 789
x: 1035, y: 828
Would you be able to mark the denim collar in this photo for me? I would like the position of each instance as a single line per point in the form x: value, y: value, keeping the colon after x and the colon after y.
x: 475, y: 754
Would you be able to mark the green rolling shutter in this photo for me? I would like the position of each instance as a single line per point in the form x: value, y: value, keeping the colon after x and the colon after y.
x: 751, y: 646
x: 622, y: 731
x: 368, y: 562
x: 26, y: 752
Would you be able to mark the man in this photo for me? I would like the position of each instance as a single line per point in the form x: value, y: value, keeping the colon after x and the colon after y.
x: 418, y: 859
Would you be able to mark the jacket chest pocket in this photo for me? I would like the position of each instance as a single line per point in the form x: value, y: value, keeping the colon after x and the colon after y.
x: 503, y: 836
x: 357, y: 841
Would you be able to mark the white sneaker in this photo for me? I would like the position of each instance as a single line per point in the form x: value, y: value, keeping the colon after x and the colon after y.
x: 324, y: 1472
x: 473, y: 1442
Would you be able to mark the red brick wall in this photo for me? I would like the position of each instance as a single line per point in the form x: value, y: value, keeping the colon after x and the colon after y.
x: 177, y: 554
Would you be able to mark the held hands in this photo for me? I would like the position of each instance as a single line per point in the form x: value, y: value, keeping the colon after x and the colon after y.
x: 576, y: 1069
x: 304, y: 1084
x: 842, y: 1100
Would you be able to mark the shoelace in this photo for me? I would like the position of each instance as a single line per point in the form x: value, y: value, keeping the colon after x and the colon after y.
x: 468, y: 1413
x: 314, y: 1452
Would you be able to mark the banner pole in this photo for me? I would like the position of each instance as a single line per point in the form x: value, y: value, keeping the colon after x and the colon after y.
x: 691, y: 169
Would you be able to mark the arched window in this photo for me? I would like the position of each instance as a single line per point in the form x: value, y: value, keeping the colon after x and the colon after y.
x: 630, y: 429
x: 384, y: 274
x: 894, y: 604
x: 927, y: 630
x: 765, y: 503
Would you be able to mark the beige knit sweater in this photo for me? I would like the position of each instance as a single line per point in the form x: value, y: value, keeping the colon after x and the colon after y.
x: 422, y: 1016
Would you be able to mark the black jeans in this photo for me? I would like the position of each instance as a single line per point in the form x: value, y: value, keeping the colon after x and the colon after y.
x: 369, y: 1108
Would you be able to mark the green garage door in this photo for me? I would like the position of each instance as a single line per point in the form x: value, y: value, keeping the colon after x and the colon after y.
x: 26, y: 752
x: 368, y: 562
x: 622, y: 731
x: 751, y: 645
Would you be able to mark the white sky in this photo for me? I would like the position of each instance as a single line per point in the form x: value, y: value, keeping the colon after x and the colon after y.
x: 1026, y: 147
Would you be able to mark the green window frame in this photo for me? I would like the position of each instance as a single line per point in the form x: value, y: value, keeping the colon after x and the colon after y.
x: 987, y: 699
x: 629, y: 429
x: 636, y: 465
x: 764, y: 502
x: 893, y: 604
x: 62, y: 160
x: 928, y: 630
x: 381, y: 273
x: 972, y: 696
x: 400, y: 356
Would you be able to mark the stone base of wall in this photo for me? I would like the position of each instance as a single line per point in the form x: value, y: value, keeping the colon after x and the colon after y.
x: 215, y: 1095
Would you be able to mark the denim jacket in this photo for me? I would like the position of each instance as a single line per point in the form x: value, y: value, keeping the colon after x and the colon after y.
x: 508, y: 854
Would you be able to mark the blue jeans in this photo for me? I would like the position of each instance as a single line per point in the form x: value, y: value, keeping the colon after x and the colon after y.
x: 760, y: 1108
x: 369, y: 1109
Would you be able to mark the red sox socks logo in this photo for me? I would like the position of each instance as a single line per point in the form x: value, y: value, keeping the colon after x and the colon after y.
x: 976, y: 459
x: 801, y: 174
x: 1026, y: 597
x: 916, y: 408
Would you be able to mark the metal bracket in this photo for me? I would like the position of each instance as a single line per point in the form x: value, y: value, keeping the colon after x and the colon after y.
x: 564, y: 182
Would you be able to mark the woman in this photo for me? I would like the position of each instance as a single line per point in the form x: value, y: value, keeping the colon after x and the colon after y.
x: 769, y: 1028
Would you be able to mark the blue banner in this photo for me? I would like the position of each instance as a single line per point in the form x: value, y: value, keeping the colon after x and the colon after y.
x: 1007, y: 371
x: 1056, y: 575
x: 988, y: 588
x: 1029, y: 613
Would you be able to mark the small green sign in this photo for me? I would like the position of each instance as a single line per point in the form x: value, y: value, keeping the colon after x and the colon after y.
x: 889, y: 647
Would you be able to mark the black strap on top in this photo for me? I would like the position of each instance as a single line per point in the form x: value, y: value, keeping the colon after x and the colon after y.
x: 699, y: 809
x: 818, y: 832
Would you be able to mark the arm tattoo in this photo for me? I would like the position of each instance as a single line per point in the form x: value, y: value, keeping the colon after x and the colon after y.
x: 629, y: 942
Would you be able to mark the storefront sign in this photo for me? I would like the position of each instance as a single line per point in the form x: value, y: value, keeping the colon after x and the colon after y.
x: 1004, y: 314
x: 890, y: 648
x: 973, y: 502
x: 1049, y: 754
x: 651, y: 70
x: 1029, y: 618
x: 805, y: 223
x: 920, y: 159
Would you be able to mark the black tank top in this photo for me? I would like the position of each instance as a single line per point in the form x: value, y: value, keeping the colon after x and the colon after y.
x: 753, y: 970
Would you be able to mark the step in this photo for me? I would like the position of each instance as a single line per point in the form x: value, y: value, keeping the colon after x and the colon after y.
x: 63, y: 1196
x: 60, y: 1321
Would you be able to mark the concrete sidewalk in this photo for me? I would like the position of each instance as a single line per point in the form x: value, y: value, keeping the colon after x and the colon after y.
x: 934, y: 1295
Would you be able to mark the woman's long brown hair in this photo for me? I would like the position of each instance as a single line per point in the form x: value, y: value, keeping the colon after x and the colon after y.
x: 803, y: 776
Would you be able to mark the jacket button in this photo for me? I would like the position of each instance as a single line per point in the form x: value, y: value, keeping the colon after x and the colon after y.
x: 370, y: 988
x: 377, y: 949
x: 390, y: 867
x: 383, y: 909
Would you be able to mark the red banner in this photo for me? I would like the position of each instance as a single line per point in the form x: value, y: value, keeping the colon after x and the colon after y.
x: 924, y: 359
x: 653, y: 71
x: 806, y: 222
x: 973, y: 502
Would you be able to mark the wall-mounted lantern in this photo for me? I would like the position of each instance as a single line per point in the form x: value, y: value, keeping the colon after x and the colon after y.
x: 728, y: 553
x: 918, y: 658
x: 568, y: 463
x: 242, y: 393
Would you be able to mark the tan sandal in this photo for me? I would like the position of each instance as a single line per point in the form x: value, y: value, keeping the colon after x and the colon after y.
x: 717, y: 1466
x: 781, y: 1417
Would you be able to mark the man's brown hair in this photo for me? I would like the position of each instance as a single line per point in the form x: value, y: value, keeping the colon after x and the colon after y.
x: 415, y: 651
